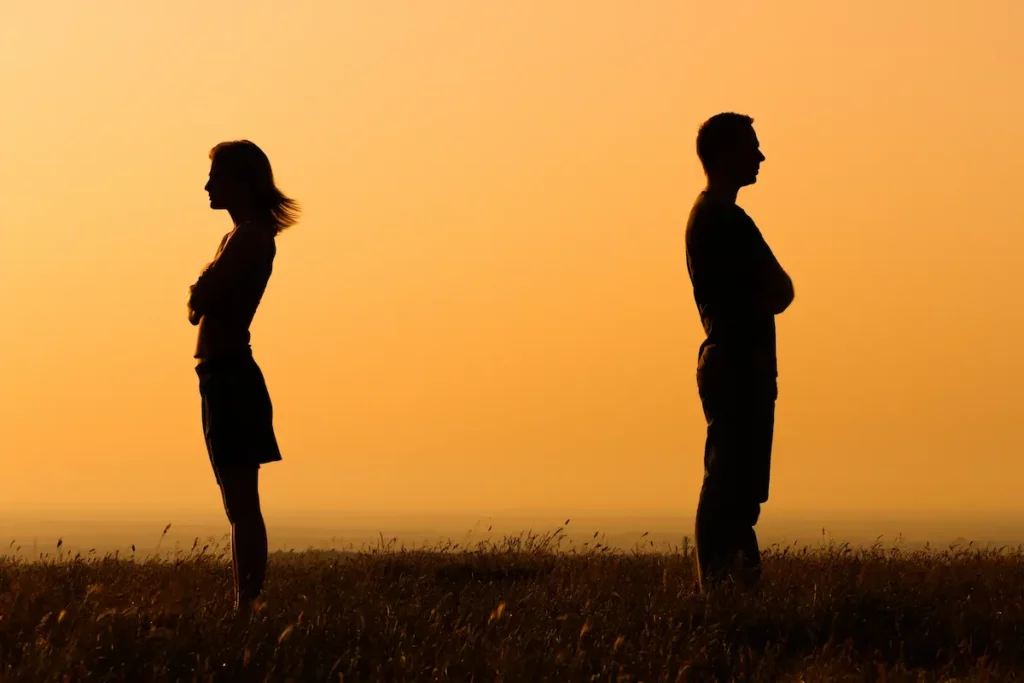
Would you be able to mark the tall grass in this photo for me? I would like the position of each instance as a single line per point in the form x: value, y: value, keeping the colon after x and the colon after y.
x: 522, y: 609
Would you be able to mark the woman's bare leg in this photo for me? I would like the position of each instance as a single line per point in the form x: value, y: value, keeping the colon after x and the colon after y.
x: 240, y: 491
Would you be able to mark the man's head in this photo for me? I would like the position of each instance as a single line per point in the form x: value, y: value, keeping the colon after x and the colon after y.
x: 729, y: 150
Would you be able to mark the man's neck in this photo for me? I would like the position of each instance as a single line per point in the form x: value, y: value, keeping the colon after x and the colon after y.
x: 721, y: 190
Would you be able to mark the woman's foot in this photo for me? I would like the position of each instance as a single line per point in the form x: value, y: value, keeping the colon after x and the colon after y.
x: 249, y: 608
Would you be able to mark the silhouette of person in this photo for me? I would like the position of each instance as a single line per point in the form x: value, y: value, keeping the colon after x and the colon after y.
x: 739, y: 287
x: 236, y: 409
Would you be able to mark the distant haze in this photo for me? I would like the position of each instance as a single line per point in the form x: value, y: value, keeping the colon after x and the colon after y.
x: 27, y: 536
x: 485, y: 305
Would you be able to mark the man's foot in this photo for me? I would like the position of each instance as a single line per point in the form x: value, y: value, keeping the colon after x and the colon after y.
x: 738, y: 579
x: 243, y: 610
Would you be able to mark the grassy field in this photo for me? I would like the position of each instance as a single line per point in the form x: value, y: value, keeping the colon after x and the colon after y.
x: 517, y: 611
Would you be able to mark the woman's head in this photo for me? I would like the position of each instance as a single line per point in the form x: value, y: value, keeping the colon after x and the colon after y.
x: 242, y: 182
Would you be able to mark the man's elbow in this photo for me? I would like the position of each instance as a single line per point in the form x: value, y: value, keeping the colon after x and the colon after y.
x: 785, y: 298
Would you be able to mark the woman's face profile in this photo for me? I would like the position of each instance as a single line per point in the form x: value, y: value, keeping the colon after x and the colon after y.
x: 223, y: 190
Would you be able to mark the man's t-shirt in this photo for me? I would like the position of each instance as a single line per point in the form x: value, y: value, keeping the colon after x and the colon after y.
x: 729, y: 263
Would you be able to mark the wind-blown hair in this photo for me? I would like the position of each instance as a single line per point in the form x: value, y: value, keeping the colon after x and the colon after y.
x: 246, y: 163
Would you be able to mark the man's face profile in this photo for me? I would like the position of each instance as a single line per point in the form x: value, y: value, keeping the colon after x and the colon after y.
x: 745, y: 157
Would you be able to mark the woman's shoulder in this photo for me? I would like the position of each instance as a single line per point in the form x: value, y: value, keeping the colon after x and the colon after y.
x: 247, y: 244
x: 256, y: 237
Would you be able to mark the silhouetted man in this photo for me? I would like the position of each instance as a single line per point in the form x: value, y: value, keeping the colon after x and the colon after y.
x: 739, y: 288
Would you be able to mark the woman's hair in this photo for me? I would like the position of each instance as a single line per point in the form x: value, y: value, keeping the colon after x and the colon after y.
x: 247, y: 164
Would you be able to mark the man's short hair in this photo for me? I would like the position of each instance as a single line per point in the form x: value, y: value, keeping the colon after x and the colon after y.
x: 717, y: 134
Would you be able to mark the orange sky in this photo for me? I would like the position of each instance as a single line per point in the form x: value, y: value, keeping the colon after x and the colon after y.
x: 486, y: 304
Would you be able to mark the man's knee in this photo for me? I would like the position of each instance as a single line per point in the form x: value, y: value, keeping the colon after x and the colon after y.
x: 728, y: 501
x: 750, y: 513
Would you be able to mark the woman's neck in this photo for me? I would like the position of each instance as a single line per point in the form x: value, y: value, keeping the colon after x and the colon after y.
x: 243, y: 218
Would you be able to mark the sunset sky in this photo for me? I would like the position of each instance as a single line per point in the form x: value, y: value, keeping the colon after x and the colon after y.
x: 485, y: 305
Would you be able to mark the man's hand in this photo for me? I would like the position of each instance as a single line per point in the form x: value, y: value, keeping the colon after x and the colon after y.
x: 781, y: 292
x: 775, y: 284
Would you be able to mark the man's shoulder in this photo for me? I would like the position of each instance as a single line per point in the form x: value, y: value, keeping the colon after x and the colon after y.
x: 710, y: 215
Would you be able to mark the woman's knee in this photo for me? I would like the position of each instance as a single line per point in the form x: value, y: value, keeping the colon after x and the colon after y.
x: 240, y: 492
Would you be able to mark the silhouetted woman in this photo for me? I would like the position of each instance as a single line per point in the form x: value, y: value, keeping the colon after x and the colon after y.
x: 236, y: 409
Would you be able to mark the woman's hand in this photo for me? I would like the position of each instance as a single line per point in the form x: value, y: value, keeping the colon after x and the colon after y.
x: 193, y: 316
